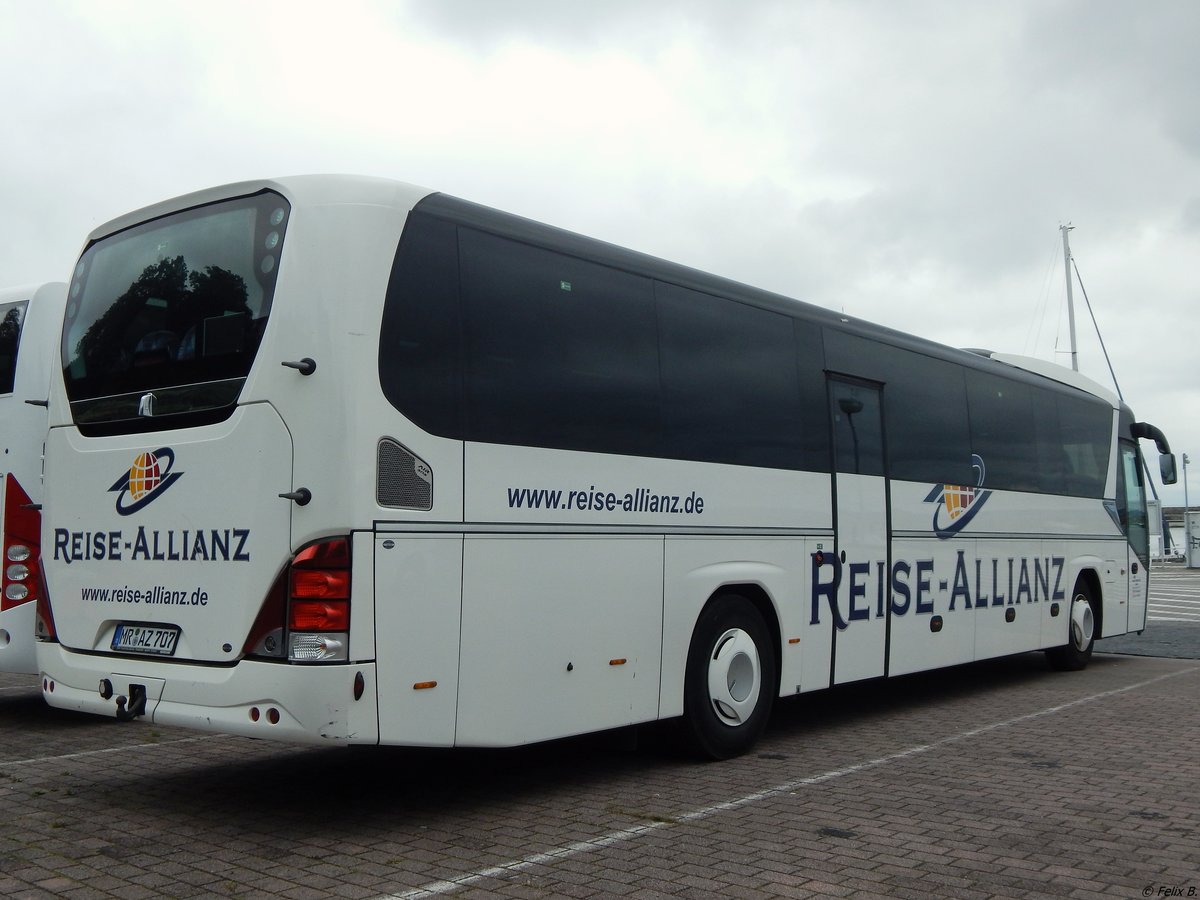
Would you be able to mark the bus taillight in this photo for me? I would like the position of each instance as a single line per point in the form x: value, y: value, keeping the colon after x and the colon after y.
x: 22, y: 527
x: 319, y: 615
x: 318, y: 620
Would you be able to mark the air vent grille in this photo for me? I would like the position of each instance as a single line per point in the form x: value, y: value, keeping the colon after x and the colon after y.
x: 402, y: 480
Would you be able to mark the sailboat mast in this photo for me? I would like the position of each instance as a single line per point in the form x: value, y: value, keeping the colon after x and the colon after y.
x: 1065, y: 229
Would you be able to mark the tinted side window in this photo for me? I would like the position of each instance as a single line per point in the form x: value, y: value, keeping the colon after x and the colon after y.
x: 489, y: 339
x: 814, y: 397
x: 925, y: 407
x: 927, y: 426
x: 1086, y: 438
x: 1002, y: 431
x: 730, y: 391
x: 420, y: 345
x: 12, y: 315
x: 1051, y: 459
x: 561, y: 352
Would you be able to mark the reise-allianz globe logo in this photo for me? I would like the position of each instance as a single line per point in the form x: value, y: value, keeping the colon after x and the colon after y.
x: 150, y: 475
x: 958, y: 503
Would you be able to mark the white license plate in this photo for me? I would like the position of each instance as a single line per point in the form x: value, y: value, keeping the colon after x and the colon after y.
x: 159, y: 640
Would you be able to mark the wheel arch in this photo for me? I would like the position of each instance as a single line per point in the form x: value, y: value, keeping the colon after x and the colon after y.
x: 765, y: 604
x: 768, y: 575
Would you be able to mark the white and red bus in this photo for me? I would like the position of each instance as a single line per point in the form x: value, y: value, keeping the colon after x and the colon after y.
x: 30, y: 319
x: 338, y: 459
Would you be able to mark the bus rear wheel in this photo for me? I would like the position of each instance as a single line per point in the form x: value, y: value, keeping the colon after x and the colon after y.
x: 730, y: 682
x: 1081, y: 632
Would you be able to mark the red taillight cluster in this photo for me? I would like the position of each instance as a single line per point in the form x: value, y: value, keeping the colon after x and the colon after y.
x: 319, y: 595
x: 306, y: 616
x: 22, y: 574
x: 317, y: 615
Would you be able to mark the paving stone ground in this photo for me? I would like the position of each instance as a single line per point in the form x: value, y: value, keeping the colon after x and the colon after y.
x: 999, y: 779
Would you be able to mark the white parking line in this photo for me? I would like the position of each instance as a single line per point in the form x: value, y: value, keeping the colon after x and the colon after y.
x: 617, y: 837
x: 1174, y: 611
x: 41, y: 759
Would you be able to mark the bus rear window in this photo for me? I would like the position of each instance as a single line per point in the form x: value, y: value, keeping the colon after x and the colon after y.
x: 164, y: 319
x: 11, y: 317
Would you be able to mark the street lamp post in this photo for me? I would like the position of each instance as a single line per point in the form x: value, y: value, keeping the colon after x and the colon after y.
x: 1187, y: 518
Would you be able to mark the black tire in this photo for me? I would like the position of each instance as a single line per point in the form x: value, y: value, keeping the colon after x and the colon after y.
x: 731, y: 679
x: 1081, y: 631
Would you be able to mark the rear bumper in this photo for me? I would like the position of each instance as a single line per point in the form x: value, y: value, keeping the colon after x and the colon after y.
x: 311, y: 704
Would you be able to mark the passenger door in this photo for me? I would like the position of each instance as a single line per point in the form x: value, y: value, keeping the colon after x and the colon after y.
x: 1135, y: 558
x: 861, y: 523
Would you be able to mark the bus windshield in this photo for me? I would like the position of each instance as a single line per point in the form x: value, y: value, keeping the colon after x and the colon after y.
x: 164, y: 318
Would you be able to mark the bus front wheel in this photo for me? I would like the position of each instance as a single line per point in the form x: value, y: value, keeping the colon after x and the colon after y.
x: 1081, y: 632
x: 730, y: 681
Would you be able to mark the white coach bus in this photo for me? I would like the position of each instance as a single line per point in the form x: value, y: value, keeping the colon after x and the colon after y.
x: 30, y: 318
x: 343, y: 460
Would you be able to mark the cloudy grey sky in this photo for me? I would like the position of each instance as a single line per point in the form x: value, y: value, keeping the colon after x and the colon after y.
x: 908, y: 162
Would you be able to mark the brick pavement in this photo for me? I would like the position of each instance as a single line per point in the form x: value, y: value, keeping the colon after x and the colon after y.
x: 1000, y: 779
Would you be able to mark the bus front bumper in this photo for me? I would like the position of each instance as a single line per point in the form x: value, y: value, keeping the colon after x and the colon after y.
x: 274, y: 701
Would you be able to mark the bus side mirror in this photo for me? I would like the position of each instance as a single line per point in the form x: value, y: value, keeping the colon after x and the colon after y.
x: 1166, y: 460
x: 1166, y: 468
